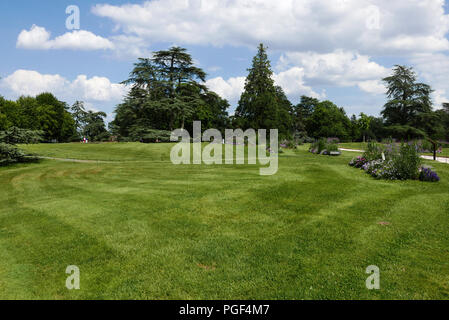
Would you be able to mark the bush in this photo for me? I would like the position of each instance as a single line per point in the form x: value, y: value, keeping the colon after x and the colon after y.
x: 16, y: 135
x: 373, y: 151
x: 358, y: 162
x: 10, y: 154
x: 407, y: 162
x: 322, y: 146
x: 428, y: 175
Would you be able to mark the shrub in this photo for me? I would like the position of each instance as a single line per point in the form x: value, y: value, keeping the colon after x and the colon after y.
x: 323, y: 147
x: 407, y: 162
x: 373, y: 151
x: 428, y: 175
x: 10, y: 154
x: 358, y: 162
x: 16, y: 135
x: 331, y: 147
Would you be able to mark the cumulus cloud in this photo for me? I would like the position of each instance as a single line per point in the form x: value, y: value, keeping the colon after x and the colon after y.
x: 367, y: 26
x: 433, y: 69
x: 339, y: 68
x: 290, y: 80
x: 230, y: 89
x: 95, y: 89
x: 38, y: 38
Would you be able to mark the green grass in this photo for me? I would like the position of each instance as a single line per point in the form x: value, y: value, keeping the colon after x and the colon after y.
x: 142, y: 228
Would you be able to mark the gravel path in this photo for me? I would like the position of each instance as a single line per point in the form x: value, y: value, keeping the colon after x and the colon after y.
x: 73, y: 160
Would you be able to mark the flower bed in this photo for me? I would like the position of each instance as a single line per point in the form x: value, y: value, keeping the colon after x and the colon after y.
x: 392, y: 163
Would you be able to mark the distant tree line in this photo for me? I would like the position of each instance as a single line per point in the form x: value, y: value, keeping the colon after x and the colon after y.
x: 167, y: 91
x: 53, y: 119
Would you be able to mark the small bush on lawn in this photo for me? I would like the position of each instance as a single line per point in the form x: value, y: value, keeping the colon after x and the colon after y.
x: 10, y: 154
x: 407, y: 162
x: 428, y: 175
x: 358, y: 162
x: 323, y: 146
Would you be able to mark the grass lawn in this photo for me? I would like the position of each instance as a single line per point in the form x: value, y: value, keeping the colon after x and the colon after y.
x: 139, y: 227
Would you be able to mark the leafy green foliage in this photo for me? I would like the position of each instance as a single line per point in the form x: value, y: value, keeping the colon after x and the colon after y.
x: 10, y: 154
x: 16, y: 135
x: 327, y: 120
x: 407, y: 162
x: 373, y: 151
x: 323, y: 146
x: 167, y: 92
x: 43, y: 113
x: 89, y: 124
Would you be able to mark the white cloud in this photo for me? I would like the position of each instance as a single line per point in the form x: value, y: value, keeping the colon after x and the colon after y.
x: 433, y: 69
x: 366, y: 26
x: 230, y: 89
x: 91, y: 90
x: 26, y: 82
x: 38, y: 38
x: 339, y: 68
x: 372, y: 86
x: 291, y: 82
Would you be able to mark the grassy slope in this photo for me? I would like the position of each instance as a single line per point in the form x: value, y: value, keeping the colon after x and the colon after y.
x: 154, y: 230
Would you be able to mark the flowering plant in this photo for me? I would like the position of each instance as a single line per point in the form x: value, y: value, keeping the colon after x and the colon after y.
x: 358, y: 162
x: 427, y: 174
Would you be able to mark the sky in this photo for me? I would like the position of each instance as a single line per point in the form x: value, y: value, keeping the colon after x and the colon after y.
x: 335, y: 50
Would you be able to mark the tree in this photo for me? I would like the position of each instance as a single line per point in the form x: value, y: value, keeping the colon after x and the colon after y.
x: 262, y: 105
x: 355, y: 128
x: 407, y: 98
x: 167, y: 91
x: 89, y: 124
x: 328, y: 120
x: 364, y: 124
x: 168, y: 84
x: 95, y: 128
x: 300, y: 115
x: 79, y: 116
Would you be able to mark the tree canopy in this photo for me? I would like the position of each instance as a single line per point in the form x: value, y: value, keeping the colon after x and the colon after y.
x: 262, y: 104
x: 167, y: 91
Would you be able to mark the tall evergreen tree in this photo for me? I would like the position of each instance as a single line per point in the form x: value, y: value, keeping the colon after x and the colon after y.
x: 262, y: 104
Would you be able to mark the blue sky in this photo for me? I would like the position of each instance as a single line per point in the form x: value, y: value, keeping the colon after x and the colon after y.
x: 335, y: 50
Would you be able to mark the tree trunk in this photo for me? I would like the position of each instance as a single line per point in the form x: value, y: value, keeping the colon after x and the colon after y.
x: 434, y: 152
